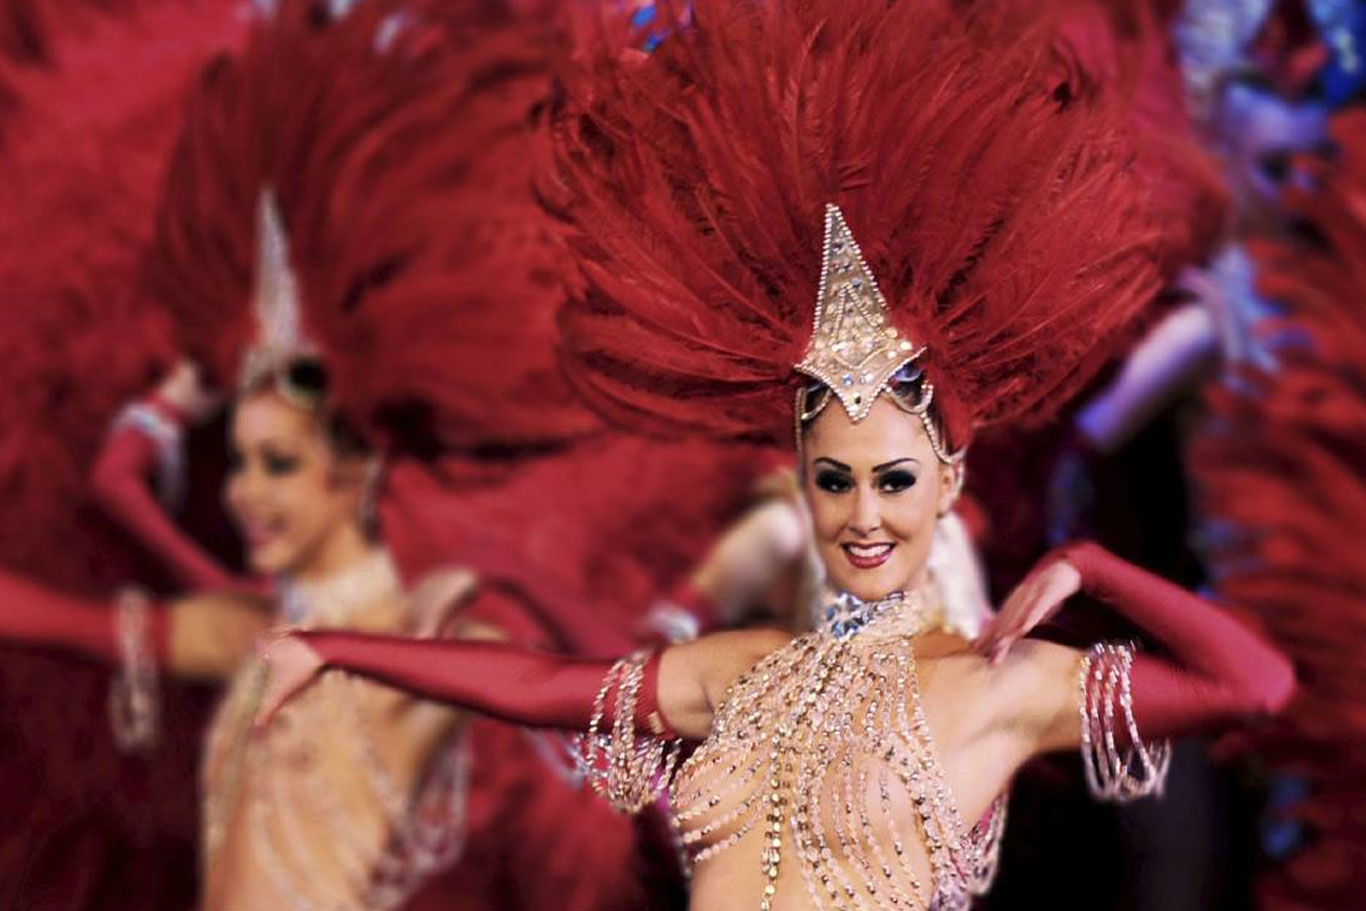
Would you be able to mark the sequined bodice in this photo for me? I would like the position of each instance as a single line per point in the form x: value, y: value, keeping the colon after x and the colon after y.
x: 322, y: 813
x: 823, y: 747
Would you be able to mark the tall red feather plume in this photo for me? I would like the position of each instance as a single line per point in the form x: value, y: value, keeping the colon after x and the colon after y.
x: 1128, y: 46
x: 399, y: 146
x: 84, y: 155
x: 1288, y: 471
x: 982, y: 172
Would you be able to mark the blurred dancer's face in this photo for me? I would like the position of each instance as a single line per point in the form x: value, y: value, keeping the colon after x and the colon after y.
x: 293, y: 498
x: 875, y: 489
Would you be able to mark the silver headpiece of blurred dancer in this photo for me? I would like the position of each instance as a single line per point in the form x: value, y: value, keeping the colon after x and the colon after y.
x: 281, y: 356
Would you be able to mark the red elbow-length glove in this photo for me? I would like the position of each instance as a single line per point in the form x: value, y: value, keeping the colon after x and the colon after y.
x: 1219, y: 670
x: 31, y: 614
x: 119, y: 482
x: 508, y: 682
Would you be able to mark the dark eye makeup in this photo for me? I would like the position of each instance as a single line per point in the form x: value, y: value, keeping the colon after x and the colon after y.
x: 279, y: 463
x: 896, y: 480
x: 274, y: 462
x: 833, y: 481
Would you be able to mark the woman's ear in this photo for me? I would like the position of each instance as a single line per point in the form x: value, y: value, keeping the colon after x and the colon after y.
x: 355, y: 471
x: 950, y: 486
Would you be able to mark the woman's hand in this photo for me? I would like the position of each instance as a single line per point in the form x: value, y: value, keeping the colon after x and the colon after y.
x: 184, y: 390
x: 291, y: 665
x: 1032, y: 602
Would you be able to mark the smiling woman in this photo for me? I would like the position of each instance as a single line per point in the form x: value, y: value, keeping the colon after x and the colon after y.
x: 862, y: 765
x: 876, y: 491
x: 300, y: 243
x: 294, y: 487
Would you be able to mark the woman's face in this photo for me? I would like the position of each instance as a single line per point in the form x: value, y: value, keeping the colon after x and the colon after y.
x: 875, y: 489
x: 287, y: 491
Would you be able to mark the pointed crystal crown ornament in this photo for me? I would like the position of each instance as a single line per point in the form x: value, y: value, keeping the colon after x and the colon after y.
x: 854, y: 349
x: 280, y: 344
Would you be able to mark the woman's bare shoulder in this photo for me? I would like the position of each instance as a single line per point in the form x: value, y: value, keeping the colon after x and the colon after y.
x: 1024, y: 692
x: 229, y: 601
x: 719, y: 659
x: 435, y: 603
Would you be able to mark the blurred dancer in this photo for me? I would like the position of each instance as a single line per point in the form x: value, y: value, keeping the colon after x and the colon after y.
x: 718, y: 188
x: 345, y: 203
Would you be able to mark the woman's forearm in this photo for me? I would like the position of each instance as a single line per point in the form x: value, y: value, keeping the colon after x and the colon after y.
x: 34, y: 615
x: 119, y: 484
x: 1219, y: 670
x: 514, y: 684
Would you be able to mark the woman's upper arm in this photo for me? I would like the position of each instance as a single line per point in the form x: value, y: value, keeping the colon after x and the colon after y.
x: 1036, y: 698
x: 212, y: 634
x: 694, y: 676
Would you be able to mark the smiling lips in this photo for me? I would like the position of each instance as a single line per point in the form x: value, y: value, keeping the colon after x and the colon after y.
x: 260, y: 533
x: 868, y: 556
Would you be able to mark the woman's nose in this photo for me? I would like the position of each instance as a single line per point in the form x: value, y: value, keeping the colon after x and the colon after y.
x: 867, y: 515
x: 242, y: 489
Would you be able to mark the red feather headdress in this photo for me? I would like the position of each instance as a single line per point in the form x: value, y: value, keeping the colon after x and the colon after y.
x: 986, y: 178
x: 96, y: 103
x: 1128, y: 45
x: 398, y: 147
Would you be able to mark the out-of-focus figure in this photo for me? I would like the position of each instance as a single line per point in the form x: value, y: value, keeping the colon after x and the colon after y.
x: 348, y: 245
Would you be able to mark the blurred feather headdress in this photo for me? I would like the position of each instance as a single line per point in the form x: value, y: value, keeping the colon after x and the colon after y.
x: 351, y: 208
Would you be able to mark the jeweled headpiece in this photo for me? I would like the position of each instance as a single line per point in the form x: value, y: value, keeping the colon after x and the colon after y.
x: 854, y: 347
x: 855, y: 351
x: 280, y: 356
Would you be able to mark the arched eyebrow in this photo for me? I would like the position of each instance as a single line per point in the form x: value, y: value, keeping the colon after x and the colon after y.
x: 885, y: 465
x: 876, y: 468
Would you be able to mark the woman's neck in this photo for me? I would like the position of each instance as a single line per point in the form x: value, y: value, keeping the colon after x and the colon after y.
x: 339, y: 552
x: 915, y: 610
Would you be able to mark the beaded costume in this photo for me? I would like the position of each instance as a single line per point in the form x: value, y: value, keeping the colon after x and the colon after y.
x: 332, y: 814
x: 825, y: 743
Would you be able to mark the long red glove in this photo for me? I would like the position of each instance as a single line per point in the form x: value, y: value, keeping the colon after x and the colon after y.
x: 1222, y: 671
x: 33, y: 615
x: 119, y: 482
x: 508, y: 682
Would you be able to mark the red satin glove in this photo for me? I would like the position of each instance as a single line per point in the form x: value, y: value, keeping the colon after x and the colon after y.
x: 33, y: 615
x: 508, y: 682
x: 119, y: 481
x: 1219, y: 671
x: 684, y: 614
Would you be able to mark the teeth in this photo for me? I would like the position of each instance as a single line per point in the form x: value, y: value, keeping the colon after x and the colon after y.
x: 868, y: 550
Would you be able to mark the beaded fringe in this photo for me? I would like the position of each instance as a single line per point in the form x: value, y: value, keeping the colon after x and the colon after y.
x: 628, y: 770
x: 135, y: 692
x: 1112, y: 774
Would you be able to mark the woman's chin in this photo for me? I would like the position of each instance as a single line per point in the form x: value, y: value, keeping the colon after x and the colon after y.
x: 271, y: 560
